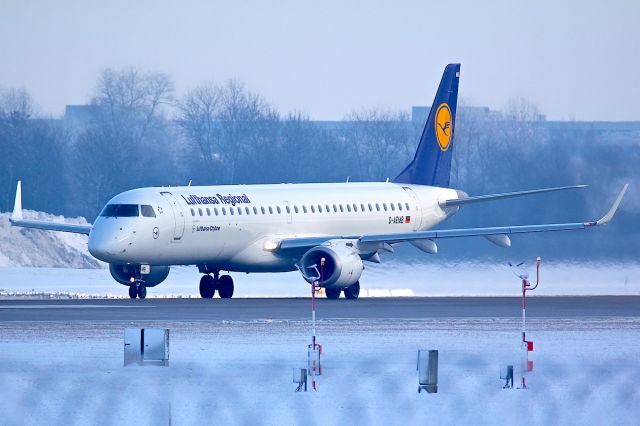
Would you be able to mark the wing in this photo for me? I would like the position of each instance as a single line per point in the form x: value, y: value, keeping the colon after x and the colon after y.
x: 382, y: 241
x: 16, y: 219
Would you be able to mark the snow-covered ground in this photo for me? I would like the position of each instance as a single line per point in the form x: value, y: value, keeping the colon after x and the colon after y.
x: 391, y: 278
x: 585, y: 373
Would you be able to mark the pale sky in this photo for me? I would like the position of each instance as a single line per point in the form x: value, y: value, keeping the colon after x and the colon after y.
x: 574, y: 59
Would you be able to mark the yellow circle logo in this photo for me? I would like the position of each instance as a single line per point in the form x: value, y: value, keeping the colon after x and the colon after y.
x: 444, y: 127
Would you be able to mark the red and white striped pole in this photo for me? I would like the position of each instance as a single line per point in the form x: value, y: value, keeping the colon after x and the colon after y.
x: 527, y: 346
x: 314, y: 346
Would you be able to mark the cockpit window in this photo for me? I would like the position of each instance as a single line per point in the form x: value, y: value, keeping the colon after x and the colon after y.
x: 147, y: 211
x: 120, y: 210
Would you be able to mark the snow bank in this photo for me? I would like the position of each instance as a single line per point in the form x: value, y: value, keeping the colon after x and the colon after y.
x: 33, y: 247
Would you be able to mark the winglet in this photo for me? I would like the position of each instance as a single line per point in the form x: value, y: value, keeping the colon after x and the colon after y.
x: 17, y: 205
x: 607, y: 217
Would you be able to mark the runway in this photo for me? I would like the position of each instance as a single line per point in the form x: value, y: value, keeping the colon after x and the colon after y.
x: 123, y: 310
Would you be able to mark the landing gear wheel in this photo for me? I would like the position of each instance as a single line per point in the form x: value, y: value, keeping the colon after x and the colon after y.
x: 332, y: 293
x: 225, y: 286
x: 133, y: 291
x: 207, y: 286
x: 353, y: 291
x: 142, y: 291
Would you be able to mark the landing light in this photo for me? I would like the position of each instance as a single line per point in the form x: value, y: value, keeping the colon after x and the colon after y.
x: 270, y: 245
x: 132, y: 279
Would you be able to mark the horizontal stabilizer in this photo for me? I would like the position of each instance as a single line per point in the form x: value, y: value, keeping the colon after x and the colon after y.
x: 492, y: 197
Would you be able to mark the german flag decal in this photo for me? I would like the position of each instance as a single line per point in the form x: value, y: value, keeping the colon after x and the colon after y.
x: 407, y: 219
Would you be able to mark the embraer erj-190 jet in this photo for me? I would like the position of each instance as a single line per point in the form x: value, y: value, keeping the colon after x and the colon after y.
x: 324, y: 230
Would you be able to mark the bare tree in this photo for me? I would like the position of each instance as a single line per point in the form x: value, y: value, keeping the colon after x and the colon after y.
x: 198, y: 113
x: 126, y: 141
x: 382, y: 140
x: 16, y: 108
x: 247, y: 122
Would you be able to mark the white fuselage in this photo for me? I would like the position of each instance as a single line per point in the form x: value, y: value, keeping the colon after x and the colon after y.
x: 236, y: 227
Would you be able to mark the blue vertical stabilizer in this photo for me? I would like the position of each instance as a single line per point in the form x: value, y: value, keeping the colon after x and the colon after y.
x: 432, y: 162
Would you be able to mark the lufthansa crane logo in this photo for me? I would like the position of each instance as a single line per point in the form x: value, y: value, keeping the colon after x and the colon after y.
x: 443, y: 126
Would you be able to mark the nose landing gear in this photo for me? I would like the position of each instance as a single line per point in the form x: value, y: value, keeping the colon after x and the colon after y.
x: 137, y: 289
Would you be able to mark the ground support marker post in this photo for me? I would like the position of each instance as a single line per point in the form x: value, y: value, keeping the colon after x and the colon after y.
x: 527, y: 345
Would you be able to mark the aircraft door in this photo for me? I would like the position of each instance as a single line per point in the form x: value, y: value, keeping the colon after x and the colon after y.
x: 416, y: 217
x: 178, y: 216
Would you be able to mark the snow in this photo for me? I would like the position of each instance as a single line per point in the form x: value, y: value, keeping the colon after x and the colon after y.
x: 33, y: 247
x: 585, y: 372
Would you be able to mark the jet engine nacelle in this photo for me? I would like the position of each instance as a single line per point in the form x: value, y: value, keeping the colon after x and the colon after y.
x: 342, y: 264
x: 124, y: 273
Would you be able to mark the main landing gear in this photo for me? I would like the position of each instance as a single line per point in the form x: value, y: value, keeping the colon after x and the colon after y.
x: 137, y: 289
x: 209, y: 284
x: 352, y: 292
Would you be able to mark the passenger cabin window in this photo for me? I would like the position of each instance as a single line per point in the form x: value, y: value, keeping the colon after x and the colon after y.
x: 255, y: 210
x: 208, y: 212
x: 341, y: 208
x: 120, y: 210
x: 224, y: 211
x: 393, y: 207
x: 193, y: 212
x: 400, y: 206
x: 370, y: 208
x: 270, y: 210
x: 246, y: 209
x: 288, y: 209
x: 215, y: 211
x: 328, y: 210
x: 362, y: 207
x: 239, y: 210
x: 313, y: 209
x: 319, y: 208
x: 200, y: 212
x: 304, y: 209
x: 335, y: 209
x: 355, y: 208
x: 231, y: 211
x: 147, y: 211
x: 407, y: 206
x: 348, y: 208
x: 377, y: 207
x: 384, y: 205
x: 278, y: 209
x: 262, y: 209
x: 295, y: 209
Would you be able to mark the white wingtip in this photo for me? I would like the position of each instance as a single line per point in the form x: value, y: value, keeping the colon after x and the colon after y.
x: 17, y: 205
x: 612, y: 211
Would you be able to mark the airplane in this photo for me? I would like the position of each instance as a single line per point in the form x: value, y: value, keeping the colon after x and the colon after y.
x: 324, y: 230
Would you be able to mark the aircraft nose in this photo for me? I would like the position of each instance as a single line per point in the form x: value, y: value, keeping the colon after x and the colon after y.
x: 108, y: 243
